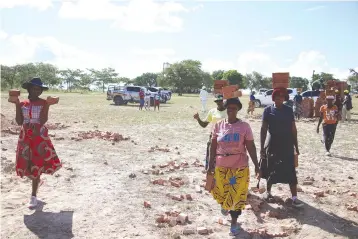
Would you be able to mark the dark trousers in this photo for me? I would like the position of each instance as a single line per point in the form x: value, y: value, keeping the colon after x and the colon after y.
x: 329, y: 131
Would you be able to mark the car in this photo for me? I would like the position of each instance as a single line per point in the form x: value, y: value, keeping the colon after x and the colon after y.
x: 314, y: 94
x: 165, y: 91
x: 164, y: 97
x: 111, y: 89
x: 126, y: 94
x: 265, y: 99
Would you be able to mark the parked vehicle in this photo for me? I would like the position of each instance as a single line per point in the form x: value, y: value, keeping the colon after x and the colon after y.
x: 265, y: 99
x: 314, y: 94
x: 262, y: 91
x: 127, y: 94
x: 165, y: 91
x: 111, y: 89
x: 163, y: 95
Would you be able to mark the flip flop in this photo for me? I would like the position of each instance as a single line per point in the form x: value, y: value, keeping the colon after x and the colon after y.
x: 235, y: 230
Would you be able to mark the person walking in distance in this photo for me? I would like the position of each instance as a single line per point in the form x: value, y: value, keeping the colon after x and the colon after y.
x: 297, y: 105
x: 203, y: 98
x: 251, y: 107
x: 214, y: 115
x: 147, y: 100
x: 157, y: 100
x: 141, y: 99
x: 329, y: 116
x: 347, y: 107
x: 278, y: 147
x: 35, y: 153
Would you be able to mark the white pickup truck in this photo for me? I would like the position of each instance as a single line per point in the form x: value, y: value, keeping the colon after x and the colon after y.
x: 265, y: 99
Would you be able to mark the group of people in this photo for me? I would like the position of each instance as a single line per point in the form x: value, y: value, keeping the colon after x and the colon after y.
x: 344, y: 106
x: 226, y: 155
x: 231, y: 138
x: 145, y: 100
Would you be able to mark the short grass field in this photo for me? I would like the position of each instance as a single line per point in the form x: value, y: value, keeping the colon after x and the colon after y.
x: 101, y: 189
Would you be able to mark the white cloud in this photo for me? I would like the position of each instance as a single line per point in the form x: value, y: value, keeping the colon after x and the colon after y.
x: 303, y: 65
x: 38, y: 4
x: 315, y: 8
x: 282, y: 38
x: 18, y: 49
x: 211, y: 65
x: 138, y: 15
x: 3, y: 35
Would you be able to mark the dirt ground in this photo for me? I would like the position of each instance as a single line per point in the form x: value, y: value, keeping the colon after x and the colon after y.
x: 107, y: 177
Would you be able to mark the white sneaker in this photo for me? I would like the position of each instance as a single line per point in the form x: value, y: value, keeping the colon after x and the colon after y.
x: 33, y: 202
x: 328, y: 154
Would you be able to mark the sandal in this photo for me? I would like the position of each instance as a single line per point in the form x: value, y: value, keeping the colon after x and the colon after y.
x: 235, y: 230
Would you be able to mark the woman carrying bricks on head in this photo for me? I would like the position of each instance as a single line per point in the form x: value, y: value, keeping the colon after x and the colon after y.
x: 329, y: 114
x: 35, y: 153
x: 277, y: 151
x: 229, y: 163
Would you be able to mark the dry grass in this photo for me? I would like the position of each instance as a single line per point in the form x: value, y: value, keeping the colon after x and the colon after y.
x: 100, y: 200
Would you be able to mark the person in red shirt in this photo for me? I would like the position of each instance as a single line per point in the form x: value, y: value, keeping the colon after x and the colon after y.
x: 141, y: 99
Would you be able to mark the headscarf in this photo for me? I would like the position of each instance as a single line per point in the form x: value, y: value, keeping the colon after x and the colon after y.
x: 280, y: 92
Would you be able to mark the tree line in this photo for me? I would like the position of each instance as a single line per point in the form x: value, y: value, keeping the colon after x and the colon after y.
x: 185, y: 76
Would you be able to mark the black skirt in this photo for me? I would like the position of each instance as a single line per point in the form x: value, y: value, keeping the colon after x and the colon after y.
x: 278, y: 164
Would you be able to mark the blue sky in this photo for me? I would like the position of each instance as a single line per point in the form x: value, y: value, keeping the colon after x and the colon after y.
x: 138, y: 36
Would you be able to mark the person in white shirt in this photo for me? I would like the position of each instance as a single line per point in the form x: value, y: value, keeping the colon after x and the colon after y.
x: 203, y: 98
x: 147, y: 100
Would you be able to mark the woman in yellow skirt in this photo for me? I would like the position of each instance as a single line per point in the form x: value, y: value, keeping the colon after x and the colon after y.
x: 229, y: 163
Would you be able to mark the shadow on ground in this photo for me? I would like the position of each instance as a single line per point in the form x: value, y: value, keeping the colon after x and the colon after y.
x: 46, y: 225
x: 312, y: 216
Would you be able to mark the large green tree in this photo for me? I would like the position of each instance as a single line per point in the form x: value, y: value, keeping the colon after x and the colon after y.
x: 235, y: 78
x: 256, y: 80
x: 146, y: 79
x: 218, y: 74
x: 104, y: 76
x: 184, y: 75
x: 299, y: 82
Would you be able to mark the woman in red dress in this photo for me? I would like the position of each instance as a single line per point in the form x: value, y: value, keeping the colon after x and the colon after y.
x: 35, y: 153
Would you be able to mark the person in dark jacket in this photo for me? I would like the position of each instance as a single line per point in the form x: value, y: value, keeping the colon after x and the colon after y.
x: 347, y: 107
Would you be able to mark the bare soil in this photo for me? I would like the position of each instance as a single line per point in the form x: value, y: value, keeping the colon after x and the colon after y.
x: 129, y: 174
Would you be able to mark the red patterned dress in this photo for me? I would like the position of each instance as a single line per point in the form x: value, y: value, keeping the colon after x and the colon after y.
x: 35, y: 153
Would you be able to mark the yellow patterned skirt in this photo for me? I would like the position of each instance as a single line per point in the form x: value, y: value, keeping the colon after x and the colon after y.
x: 231, y: 187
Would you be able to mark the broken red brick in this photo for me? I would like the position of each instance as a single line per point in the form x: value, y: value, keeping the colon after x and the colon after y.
x: 175, y: 184
x: 189, y: 197
x: 352, y: 208
x: 160, y: 219
x: 319, y: 194
x: 147, y: 204
x: 189, y: 231
x: 176, y: 198
x: 159, y: 182
x: 202, y: 231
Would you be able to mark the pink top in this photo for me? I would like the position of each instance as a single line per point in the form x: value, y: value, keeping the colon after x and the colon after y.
x: 231, y: 142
